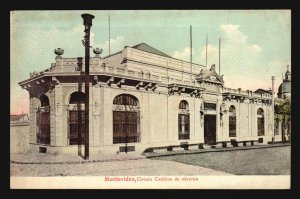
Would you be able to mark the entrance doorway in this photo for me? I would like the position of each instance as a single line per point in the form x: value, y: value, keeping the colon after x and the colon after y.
x: 210, y: 129
x: 43, y: 121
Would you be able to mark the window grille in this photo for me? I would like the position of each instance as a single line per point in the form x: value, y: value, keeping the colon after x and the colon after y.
x: 126, y: 121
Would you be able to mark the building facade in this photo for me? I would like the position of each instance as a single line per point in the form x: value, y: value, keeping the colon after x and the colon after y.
x: 140, y: 97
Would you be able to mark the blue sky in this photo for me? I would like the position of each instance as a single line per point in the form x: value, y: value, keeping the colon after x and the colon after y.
x: 256, y: 44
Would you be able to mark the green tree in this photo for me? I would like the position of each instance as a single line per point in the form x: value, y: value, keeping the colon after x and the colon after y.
x: 283, y: 113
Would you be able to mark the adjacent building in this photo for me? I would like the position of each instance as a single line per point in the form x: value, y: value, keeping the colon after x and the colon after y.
x: 19, y: 133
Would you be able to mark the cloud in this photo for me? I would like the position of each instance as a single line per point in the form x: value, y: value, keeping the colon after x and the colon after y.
x: 233, y: 35
x: 184, y: 54
x: 240, y: 60
x: 235, y: 49
x: 212, y: 55
x: 116, y: 44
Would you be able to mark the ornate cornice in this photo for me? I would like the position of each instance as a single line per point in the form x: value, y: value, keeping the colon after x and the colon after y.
x: 181, y: 88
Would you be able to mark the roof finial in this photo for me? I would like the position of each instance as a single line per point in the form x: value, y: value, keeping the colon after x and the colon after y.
x: 287, y: 67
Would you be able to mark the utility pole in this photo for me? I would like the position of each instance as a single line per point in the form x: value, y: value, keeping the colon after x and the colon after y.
x: 273, y: 109
x: 206, y: 50
x: 219, y: 56
x: 191, y: 52
x: 108, y: 34
x: 87, y: 22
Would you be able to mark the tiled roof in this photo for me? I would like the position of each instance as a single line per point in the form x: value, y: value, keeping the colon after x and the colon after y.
x: 262, y: 91
x: 149, y: 49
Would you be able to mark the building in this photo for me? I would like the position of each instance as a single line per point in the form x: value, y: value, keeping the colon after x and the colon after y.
x: 19, y: 119
x: 140, y: 98
x: 19, y: 133
x: 284, y: 90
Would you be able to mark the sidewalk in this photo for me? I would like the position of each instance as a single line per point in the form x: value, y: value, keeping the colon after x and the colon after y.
x: 207, y: 149
x: 38, y: 158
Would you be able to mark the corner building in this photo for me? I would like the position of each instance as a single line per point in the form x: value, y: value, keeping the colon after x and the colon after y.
x: 142, y: 98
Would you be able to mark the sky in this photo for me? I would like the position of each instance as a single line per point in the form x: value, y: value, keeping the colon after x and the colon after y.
x: 255, y: 44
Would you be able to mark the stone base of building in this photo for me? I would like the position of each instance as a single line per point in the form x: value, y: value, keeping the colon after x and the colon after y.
x: 139, y: 148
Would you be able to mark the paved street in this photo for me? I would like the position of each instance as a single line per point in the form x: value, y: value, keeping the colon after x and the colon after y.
x: 263, y: 161
x: 258, y: 161
x: 140, y: 167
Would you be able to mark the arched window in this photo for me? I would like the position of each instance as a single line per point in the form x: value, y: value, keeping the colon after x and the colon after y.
x: 126, y: 119
x: 44, y: 101
x: 125, y: 99
x: 43, y: 121
x: 76, y: 119
x: 260, y: 122
x: 183, y: 105
x: 183, y: 121
x: 77, y: 98
x: 232, y: 121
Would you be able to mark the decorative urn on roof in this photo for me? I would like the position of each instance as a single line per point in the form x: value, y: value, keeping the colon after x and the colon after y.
x: 97, y: 51
x: 59, y: 52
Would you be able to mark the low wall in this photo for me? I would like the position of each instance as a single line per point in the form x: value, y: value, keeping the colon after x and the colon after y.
x: 19, y: 137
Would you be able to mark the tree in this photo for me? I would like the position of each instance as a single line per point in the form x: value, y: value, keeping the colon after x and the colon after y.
x: 283, y: 114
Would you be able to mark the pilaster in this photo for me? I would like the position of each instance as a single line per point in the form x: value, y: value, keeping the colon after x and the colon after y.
x: 95, y: 127
x: 58, y: 106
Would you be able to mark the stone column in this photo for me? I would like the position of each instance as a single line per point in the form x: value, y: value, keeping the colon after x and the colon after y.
x: 58, y: 106
x: 238, y: 119
x: 59, y: 63
x: 253, y: 120
x: 218, y: 121
x: 107, y: 117
x: 33, y: 127
x: 199, y: 133
x: 145, y: 111
x: 95, y: 127
x: 101, y: 117
x: 91, y: 118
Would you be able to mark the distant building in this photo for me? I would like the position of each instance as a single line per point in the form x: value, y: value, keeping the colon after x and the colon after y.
x: 262, y: 91
x: 142, y: 98
x: 19, y: 119
x: 284, y: 90
x: 19, y: 133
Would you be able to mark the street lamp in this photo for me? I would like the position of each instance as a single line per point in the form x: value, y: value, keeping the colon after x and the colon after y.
x: 87, y: 22
x: 273, y: 126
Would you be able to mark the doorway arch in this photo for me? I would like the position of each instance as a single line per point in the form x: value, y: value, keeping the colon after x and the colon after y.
x: 43, y: 121
x: 76, y: 120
